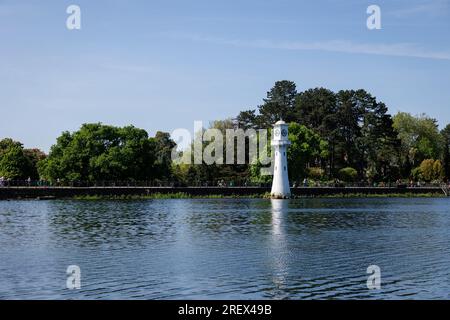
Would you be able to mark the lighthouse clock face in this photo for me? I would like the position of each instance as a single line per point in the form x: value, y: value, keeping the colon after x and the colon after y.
x: 284, y: 132
x: 277, y: 132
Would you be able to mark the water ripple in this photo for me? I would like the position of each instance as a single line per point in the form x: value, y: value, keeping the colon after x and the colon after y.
x: 226, y: 248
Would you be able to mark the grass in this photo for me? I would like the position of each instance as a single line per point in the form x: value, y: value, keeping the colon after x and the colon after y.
x: 178, y: 195
x: 379, y: 195
x: 182, y: 195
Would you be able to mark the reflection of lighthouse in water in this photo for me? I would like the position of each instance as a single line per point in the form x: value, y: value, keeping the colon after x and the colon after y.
x: 280, y: 142
x: 279, y: 257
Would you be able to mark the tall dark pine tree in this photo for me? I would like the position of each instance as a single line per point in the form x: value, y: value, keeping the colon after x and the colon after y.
x: 348, y: 131
x: 446, y: 157
x: 279, y: 104
x: 163, y: 146
x: 313, y: 107
x: 316, y: 109
x: 378, y: 145
x: 246, y: 119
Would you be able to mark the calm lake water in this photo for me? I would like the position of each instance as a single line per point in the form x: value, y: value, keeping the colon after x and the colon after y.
x: 226, y: 248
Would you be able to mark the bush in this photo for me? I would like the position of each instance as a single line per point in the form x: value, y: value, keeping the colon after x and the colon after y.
x: 316, y: 173
x: 438, y: 169
x: 416, y: 174
x: 431, y: 169
x: 348, y: 174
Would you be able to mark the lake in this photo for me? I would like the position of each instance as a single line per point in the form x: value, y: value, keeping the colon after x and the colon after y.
x: 226, y: 248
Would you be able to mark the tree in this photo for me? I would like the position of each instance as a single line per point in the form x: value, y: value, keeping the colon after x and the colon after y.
x: 306, y: 148
x: 416, y: 174
x: 317, y: 110
x: 7, y: 143
x: 378, y: 145
x: 420, y: 138
x: 431, y: 170
x: 246, y: 119
x: 362, y: 135
x: 33, y: 156
x: 17, y: 163
x: 279, y: 103
x: 438, y: 170
x: 235, y: 172
x: 314, y: 108
x: 100, y: 152
x: 163, y: 163
x: 445, y: 133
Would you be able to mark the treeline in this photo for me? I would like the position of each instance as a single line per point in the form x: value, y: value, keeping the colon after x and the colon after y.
x: 362, y: 137
x: 94, y: 153
x: 347, y: 135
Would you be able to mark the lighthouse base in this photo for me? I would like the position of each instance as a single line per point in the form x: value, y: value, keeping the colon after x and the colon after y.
x: 279, y: 196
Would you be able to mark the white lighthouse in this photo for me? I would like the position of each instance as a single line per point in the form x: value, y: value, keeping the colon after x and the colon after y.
x: 280, y: 142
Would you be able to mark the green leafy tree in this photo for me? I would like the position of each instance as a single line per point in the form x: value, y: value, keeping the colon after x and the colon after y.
x: 420, y: 139
x: 34, y: 156
x: 100, y: 152
x: 210, y: 174
x: 416, y: 174
x: 306, y: 149
x: 427, y: 170
x: 17, y: 163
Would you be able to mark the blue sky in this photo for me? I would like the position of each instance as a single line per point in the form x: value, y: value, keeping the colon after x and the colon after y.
x: 160, y: 65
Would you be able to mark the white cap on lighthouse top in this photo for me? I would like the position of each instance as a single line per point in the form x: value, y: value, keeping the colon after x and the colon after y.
x: 280, y: 122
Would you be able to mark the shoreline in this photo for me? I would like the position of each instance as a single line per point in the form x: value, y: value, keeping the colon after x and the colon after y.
x: 256, y: 196
x: 142, y: 193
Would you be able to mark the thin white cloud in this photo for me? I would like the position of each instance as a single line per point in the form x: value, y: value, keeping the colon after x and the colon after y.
x: 342, y: 46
